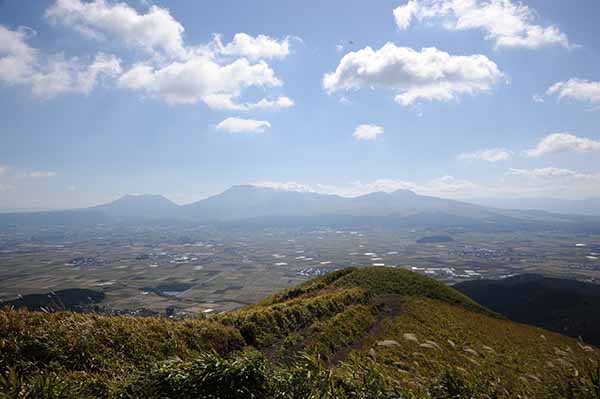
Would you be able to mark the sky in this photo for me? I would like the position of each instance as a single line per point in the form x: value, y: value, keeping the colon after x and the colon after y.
x: 460, y: 99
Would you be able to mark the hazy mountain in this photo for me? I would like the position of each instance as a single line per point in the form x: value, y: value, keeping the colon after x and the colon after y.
x: 245, y: 202
x: 140, y: 207
x: 590, y: 206
x: 266, y: 206
x: 566, y: 306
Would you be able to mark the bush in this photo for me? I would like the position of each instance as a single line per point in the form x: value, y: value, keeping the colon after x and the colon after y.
x: 208, y: 377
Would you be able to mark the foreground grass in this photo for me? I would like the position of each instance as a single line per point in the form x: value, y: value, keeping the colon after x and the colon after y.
x: 356, y: 333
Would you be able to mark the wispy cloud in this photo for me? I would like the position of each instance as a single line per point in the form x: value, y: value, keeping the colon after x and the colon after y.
x: 37, y: 174
x: 489, y: 155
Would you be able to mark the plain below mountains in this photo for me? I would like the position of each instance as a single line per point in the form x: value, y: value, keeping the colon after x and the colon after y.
x: 266, y: 206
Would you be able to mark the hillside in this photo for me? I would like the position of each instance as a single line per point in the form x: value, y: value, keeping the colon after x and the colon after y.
x: 565, y: 306
x: 354, y: 333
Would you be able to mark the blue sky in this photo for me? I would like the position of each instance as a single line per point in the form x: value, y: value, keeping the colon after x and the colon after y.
x: 455, y: 98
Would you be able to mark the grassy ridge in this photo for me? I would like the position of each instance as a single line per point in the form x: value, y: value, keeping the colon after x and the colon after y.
x: 384, y: 280
x: 356, y: 333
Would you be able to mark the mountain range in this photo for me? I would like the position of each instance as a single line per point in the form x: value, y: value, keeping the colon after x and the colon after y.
x: 268, y: 206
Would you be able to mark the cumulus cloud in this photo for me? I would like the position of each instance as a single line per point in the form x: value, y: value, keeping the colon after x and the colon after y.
x: 41, y: 174
x: 489, y: 155
x: 563, y: 142
x: 215, y: 73
x: 508, y: 24
x: 578, y: 90
x: 429, y: 74
x: 240, y: 125
x: 367, y: 132
x: 254, y: 48
x: 199, y: 78
x: 155, y: 30
x: 48, y: 75
x: 404, y: 14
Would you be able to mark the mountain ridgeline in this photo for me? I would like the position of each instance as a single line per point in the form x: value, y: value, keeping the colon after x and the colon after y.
x: 261, y: 206
x: 354, y: 333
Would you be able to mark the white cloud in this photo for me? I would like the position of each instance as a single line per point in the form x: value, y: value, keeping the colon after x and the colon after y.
x: 41, y: 174
x: 367, y: 132
x: 3, y: 169
x: 537, y: 98
x: 563, y: 142
x: 506, y: 23
x: 444, y: 186
x: 555, y: 173
x: 71, y: 188
x: 404, y: 14
x: 17, y: 58
x: 429, y: 74
x: 199, y: 78
x: 578, y: 90
x: 49, y: 75
x: 156, y: 30
x: 227, y: 102
x: 489, y: 155
x: 286, y: 186
x: 62, y: 75
x: 240, y: 125
x: 339, y: 48
x: 215, y: 73
x: 254, y: 48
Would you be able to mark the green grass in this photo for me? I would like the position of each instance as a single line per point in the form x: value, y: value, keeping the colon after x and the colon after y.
x: 322, y: 339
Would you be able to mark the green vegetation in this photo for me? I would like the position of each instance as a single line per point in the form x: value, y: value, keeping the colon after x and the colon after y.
x: 356, y: 333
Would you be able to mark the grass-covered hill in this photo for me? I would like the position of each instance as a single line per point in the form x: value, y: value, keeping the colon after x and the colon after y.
x: 355, y: 333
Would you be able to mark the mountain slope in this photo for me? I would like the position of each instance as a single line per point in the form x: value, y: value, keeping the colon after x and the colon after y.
x: 565, y: 306
x: 355, y: 333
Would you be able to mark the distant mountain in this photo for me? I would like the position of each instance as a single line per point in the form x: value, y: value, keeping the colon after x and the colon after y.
x: 589, y: 206
x: 252, y: 205
x: 140, y: 207
x: 246, y: 202
x: 565, y: 306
